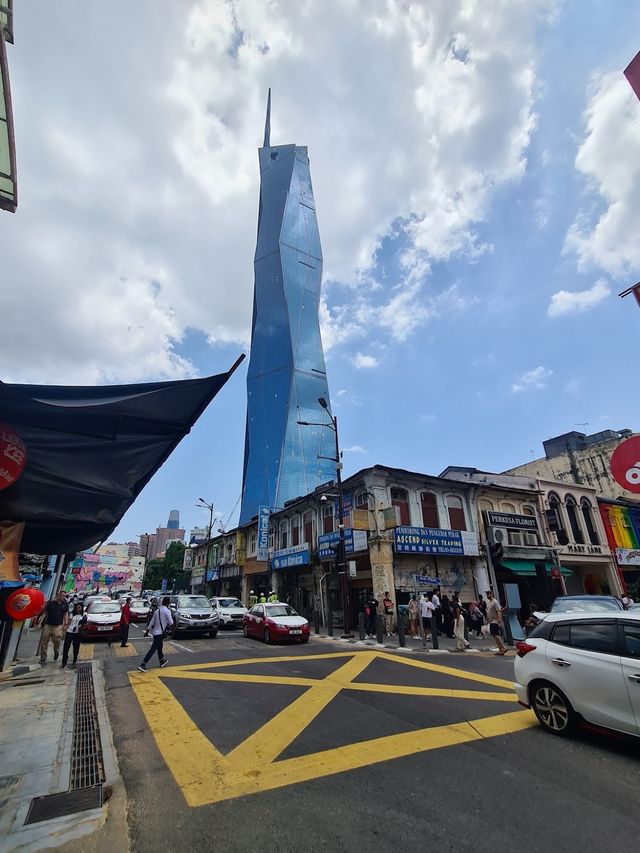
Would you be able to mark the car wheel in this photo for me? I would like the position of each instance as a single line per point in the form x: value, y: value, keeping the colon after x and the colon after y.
x: 304, y: 640
x: 245, y: 632
x: 553, y: 709
x: 267, y: 636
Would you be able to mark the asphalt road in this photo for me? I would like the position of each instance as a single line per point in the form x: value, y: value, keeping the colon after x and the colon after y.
x: 365, y: 752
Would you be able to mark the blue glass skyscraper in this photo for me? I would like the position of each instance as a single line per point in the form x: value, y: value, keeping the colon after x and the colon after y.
x: 287, y: 374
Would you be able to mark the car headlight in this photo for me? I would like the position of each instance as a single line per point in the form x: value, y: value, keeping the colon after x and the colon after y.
x: 280, y: 625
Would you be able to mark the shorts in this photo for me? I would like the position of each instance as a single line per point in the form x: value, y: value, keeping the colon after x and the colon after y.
x: 426, y: 622
x: 494, y: 629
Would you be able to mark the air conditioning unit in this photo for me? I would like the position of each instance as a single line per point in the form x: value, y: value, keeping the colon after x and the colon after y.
x: 498, y: 536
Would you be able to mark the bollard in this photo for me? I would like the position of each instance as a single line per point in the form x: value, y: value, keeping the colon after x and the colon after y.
x: 379, y: 629
x: 361, y: 625
x: 434, y: 631
x: 316, y: 622
x: 329, y: 623
x: 401, y: 641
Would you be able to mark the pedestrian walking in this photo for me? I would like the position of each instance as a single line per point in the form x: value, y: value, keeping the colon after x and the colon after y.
x: 447, y: 616
x: 54, y: 620
x: 414, y: 614
x: 370, y: 614
x: 494, y: 618
x: 72, y: 635
x: 458, y: 629
x: 477, y: 618
x: 437, y: 606
x: 125, y: 621
x: 387, y: 606
x: 160, y: 623
x: 426, y: 612
x: 263, y: 598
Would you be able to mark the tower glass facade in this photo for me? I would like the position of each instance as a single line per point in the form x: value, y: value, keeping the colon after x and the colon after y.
x: 287, y: 371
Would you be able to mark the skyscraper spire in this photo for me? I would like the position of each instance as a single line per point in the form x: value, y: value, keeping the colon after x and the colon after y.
x: 267, y: 123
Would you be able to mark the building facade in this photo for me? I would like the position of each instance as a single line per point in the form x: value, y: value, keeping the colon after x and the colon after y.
x: 111, y: 566
x: 287, y: 373
x: 621, y: 519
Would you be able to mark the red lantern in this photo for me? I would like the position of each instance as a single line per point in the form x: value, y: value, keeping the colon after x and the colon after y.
x: 13, y: 455
x: 24, y: 603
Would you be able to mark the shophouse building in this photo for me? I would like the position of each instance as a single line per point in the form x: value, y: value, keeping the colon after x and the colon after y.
x: 621, y: 520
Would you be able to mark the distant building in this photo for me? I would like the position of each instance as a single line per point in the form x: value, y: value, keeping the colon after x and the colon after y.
x: 579, y: 458
x: 110, y: 567
x: 153, y: 545
x: 174, y: 520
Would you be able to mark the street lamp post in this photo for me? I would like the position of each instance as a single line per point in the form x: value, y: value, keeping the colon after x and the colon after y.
x: 204, y: 505
x: 342, y: 566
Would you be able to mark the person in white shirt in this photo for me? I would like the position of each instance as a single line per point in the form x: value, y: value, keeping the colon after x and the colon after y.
x: 626, y: 601
x: 73, y: 635
x: 160, y: 622
x: 426, y: 612
x: 458, y: 629
x: 435, y: 600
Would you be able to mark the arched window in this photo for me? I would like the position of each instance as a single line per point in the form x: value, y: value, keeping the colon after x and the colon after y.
x: 327, y: 517
x: 456, y: 513
x: 400, y: 498
x: 587, y: 514
x: 295, y: 530
x: 429, y: 506
x: 308, y: 529
x: 531, y: 536
x: 574, y: 524
x: 554, y: 503
x: 362, y: 500
x: 284, y: 534
x: 507, y: 507
x: 484, y: 505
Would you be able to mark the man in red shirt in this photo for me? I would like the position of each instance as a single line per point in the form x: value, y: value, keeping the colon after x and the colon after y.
x: 125, y: 619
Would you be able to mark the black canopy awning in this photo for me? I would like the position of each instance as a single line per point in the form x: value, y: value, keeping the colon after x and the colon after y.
x: 91, y: 451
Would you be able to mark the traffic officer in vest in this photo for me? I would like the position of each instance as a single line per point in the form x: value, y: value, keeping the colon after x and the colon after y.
x: 272, y: 597
x: 253, y: 599
x: 263, y: 598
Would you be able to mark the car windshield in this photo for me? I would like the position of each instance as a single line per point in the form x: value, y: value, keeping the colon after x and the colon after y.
x: 582, y: 605
x: 104, y: 607
x: 190, y: 602
x: 229, y: 602
x: 281, y: 610
x: 139, y: 602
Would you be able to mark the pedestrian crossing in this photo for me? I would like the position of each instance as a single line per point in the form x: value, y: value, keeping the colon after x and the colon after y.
x: 93, y: 651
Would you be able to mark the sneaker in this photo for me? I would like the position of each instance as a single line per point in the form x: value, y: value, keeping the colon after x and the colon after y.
x: 163, y: 663
x: 142, y: 668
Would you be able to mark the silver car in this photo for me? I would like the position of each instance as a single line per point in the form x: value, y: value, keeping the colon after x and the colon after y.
x: 193, y: 614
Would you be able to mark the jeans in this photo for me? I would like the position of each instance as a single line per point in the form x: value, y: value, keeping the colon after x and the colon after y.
x: 156, y: 646
x: 70, y: 638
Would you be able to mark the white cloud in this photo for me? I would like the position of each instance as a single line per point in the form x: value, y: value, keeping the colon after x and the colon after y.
x: 535, y: 379
x: 428, y: 418
x: 609, y: 158
x: 362, y: 361
x: 355, y: 448
x: 138, y: 209
x: 577, y: 301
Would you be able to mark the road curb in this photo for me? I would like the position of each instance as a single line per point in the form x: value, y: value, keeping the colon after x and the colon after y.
x: 371, y: 644
x: 18, y: 670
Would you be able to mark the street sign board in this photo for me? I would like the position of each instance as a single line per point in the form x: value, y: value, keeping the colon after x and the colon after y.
x: 425, y: 580
x: 262, y: 552
x: 290, y: 558
x: 354, y: 540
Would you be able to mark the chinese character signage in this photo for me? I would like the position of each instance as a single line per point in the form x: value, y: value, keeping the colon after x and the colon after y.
x: 262, y: 553
x: 354, y: 540
x: 290, y: 558
x: 432, y: 540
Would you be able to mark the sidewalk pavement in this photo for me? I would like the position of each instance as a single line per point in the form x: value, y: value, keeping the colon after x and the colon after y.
x: 27, y: 659
x: 446, y: 645
x: 36, y: 739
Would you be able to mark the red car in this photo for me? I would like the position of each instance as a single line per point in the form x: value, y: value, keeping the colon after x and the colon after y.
x: 103, y: 621
x: 275, y: 623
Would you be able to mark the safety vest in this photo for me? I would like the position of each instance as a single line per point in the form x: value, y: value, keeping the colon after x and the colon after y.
x: 273, y: 597
x: 262, y: 599
x: 253, y: 599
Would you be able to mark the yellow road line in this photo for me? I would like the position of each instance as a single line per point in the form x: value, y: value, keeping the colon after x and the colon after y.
x: 86, y: 651
x: 174, y: 672
x: 449, y: 670
x: 279, y: 659
x: 124, y: 651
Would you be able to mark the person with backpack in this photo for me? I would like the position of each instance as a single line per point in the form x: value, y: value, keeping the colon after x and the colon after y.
x: 370, y: 613
x: 160, y: 623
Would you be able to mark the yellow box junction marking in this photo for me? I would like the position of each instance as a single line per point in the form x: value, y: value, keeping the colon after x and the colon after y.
x: 86, y: 651
x: 125, y: 651
x: 253, y: 766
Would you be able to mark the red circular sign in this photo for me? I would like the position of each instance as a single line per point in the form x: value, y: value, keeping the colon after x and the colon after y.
x: 13, y: 455
x: 555, y: 573
x: 625, y: 464
x: 24, y: 603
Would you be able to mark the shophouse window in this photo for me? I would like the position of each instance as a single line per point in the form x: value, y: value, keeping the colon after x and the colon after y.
x: 554, y: 503
x: 308, y: 529
x: 362, y: 500
x: 574, y: 524
x: 400, y: 498
x: 587, y: 514
x: 253, y: 543
x: 272, y: 538
x: 507, y: 507
x: 456, y: 513
x: 284, y: 534
x: 327, y: 518
x: 295, y: 530
x: 429, y: 506
x: 531, y: 536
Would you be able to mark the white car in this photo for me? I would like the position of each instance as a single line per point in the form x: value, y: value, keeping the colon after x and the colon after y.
x: 231, y: 611
x: 582, y: 668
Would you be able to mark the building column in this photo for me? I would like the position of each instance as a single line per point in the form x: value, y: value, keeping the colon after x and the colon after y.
x: 381, y: 557
x: 613, y: 578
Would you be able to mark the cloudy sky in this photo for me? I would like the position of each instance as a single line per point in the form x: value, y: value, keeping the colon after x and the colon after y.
x: 476, y: 167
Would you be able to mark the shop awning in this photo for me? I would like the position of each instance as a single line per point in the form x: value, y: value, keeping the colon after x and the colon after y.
x: 527, y: 568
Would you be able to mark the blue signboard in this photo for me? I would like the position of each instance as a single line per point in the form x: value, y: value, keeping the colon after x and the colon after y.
x: 425, y: 580
x: 212, y: 574
x: 163, y: 585
x: 347, y: 504
x: 262, y: 553
x: 290, y: 558
x: 354, y: 540
x: 427, y: 540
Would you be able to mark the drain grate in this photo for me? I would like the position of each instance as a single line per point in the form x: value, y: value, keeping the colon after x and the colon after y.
x: 68, y: 802
x: 86, y: 750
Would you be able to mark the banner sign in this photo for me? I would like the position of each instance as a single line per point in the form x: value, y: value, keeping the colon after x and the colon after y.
x: 289, y: 558
x: 427, y: 540
x: 625, y: 464
x: 354, y: 540
x: 425, y: 580
x: 212, y: 575
x: 509, y: 519
x: 627, y: 557
x: 262, y: 553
